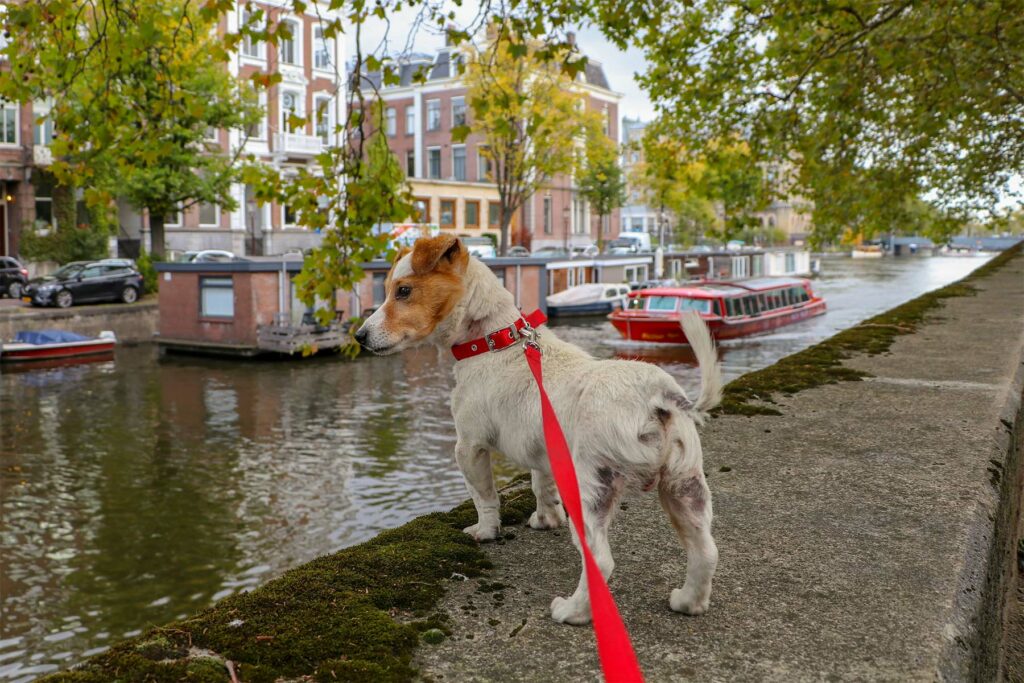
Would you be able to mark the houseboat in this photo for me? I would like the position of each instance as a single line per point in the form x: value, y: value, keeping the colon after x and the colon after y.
x: 730, y: 309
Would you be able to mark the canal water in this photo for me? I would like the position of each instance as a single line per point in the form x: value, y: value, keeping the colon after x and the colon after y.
x: 139, y: 490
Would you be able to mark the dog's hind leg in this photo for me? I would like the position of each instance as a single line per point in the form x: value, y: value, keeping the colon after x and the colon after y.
x: 549, y: 513
x: 598, y: 510
x: 687, y: 500
x: 475, y: 463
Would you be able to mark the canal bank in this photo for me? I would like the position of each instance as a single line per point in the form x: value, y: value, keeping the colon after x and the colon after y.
x: 132, y: 323
x: 854, y: 528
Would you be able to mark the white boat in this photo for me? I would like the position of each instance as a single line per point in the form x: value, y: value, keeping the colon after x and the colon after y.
x: 867, y: 251
x: 591, y: 299
x: 44, y: 345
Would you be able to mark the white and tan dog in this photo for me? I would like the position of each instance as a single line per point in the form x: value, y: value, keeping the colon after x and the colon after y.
x: 627, y: 423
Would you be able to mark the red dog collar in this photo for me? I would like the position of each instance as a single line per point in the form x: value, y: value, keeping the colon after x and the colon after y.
x: 500, y: 339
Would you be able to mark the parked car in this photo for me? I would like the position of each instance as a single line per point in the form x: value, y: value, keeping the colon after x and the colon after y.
x: 13, y: 277
x: 82, y: 282
x: 481, y: 247
x: 208, y: 256
x: 621, y: 246
x: 549, y: 252
x: 518, y: 250
x: 585, y: 250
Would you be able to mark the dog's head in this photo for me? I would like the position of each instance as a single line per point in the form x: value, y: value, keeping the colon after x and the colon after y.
x: 424, y: 285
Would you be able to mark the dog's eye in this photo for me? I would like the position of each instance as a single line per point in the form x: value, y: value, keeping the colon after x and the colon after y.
x: 403, y: 292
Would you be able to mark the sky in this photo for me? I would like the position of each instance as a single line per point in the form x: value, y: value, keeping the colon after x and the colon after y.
x: 620, y: 67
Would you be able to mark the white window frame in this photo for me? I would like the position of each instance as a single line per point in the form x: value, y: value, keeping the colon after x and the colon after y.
x: 464, y: 163
x: 4, y: 106
x: 261, y: 128
x: 410, y: 119
x: 176, y: 219
x: 217, y: 283
x: 296, y: 41
x: 482, y: 163
x: 285, y: 225
x: 328, y: 45
x: 438, y: 103
x: 465, y: 111
x: 300, y: 104
x: 216, y: 214
x: 329, y: 110
x: 41, y: 110
x: 391, y: 122
x: 260, y: 47
x: 440, y: 164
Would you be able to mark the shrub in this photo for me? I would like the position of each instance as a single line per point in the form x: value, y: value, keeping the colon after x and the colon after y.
x: 84, y: 242
x: 145, y: 264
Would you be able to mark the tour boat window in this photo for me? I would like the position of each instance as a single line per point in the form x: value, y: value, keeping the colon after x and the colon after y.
x: 700, y: 305
x: 662, y: 303
x: 762, y: 302
x: 610, y: 293
x: 785, y: 297
x: 635, y: 304
x: 732, y: 308
x: 750, y: 305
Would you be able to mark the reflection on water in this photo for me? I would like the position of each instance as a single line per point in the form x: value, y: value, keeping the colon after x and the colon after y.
x: 139, y: 490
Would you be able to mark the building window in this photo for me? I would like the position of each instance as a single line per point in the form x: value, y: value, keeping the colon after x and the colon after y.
x: 258, y: 131
x: 43, y: 187
x: 323, y: 119
x: 434, y: 159
x: 548, y: 227
x: 636, y: 273
x: 410, y: 120
x: 322, y: 49
x: 606, y: 224
x: 287, y: 47
x: 459, y: 162
x: 493, y: 214
x: 290, y: 217
x: 410, y: 163
x: 391, y: 122
x: 472, y: 215
x: 447, y: 213
x: 433, y: 114
x: 216, y: 297
x: 422, y: 208
x: 209, y: 214
x: 458, y: 111
x: 42, y: 131
x: 251, y: 47
x: 606, y: 125
x: 380, y: 293
x: 289, y: 107
x: 173, y: 219
x: 8, y: 122
x: 485, y: 170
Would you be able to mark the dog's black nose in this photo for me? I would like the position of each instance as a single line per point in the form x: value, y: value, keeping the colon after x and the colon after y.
x: 361, y: 336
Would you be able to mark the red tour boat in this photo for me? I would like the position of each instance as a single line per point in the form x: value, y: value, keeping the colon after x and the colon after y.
x: 52, y: 344
x: 730, y: 309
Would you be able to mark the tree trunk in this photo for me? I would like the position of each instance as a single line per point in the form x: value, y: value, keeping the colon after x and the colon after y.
x: 156, y: 233
x: 506, y: 225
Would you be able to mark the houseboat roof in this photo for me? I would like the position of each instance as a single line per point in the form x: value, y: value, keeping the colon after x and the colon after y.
x: 724, y: 289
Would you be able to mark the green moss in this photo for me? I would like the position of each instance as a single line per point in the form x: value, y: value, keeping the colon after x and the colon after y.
x: 349, y: 616
x: 753, y: 393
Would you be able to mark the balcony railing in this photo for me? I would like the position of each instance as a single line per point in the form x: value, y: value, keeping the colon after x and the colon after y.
x: 298, y: 145
x: 42, y: 155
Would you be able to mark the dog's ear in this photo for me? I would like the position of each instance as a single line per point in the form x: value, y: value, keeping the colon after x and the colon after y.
x: 400, y: 254
x: 443, y: 253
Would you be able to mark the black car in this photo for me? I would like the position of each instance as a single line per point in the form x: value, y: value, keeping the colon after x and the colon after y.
x: 13, y: 277
x: 86, y: 282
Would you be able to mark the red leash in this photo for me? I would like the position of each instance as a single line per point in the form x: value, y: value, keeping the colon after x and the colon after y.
x: 618, y: 661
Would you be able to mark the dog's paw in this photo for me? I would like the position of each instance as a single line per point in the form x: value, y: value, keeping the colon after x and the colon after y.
x: 483, y: 534
x: 551, y: 519
x: 570, y: 611
x: 685, y: 602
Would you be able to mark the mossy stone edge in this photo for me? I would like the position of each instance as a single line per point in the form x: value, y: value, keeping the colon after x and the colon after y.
x: 355, y: 615
x: 755, y: 392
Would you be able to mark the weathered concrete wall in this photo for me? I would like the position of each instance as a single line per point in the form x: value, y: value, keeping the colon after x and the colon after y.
x: 132, y: 323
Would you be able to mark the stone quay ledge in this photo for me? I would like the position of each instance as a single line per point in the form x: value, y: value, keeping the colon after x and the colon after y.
x: 866, y: 495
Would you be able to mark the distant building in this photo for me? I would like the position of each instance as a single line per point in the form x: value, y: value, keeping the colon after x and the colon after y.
x: 312, y: 85
x: 790, y: 212
x: 635, y: 215
x: 449, y: 180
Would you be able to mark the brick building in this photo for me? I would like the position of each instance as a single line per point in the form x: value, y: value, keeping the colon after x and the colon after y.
x: 449, y: 179
x: 312, y: 84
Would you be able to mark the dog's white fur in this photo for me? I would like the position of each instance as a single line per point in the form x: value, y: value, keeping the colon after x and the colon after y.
x: 628, y: 424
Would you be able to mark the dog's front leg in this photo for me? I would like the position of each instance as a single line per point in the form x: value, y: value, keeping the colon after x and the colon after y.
x: 549, y: 513
x: 475, y: 463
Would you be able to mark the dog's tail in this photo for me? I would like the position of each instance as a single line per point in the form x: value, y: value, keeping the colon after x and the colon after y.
x: 699, y: 338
